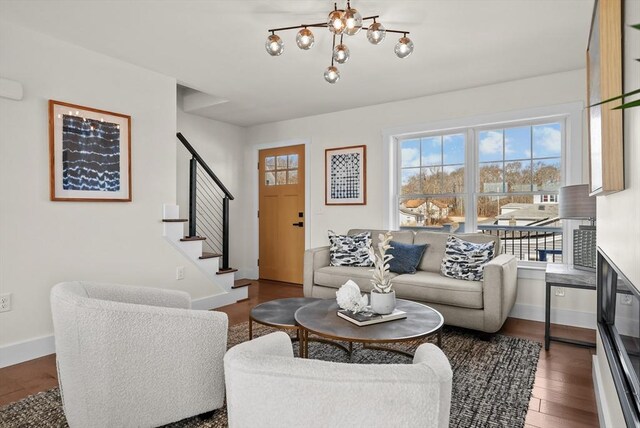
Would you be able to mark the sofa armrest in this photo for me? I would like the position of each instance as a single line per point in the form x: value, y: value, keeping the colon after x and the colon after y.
x: 314, y: 258
x: 500, y: 285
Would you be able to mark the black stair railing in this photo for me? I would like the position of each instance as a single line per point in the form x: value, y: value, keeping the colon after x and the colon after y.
x: 208, y: 205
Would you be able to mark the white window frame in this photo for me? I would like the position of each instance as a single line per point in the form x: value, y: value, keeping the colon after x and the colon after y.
x: 573, y: 155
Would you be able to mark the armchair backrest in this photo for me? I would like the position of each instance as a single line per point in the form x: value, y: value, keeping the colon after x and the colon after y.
x: 267, y: 387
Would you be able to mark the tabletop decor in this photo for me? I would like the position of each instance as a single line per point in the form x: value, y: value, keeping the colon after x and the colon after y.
x: 346, y: 176
x: 89, y: 154
x: 350, y: 298
x: 383, y: 298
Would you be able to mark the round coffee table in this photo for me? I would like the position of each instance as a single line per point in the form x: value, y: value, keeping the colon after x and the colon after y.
x: 278, y: 313
x: 320, y: 318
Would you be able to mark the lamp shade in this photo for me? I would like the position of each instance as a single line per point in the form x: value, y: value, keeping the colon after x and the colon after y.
x: 575, y: 203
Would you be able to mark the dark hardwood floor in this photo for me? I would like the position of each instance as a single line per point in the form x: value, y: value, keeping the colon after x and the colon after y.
x: 563, y: 393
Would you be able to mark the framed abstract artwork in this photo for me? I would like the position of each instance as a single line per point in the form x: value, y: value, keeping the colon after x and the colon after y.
x: 346, y: 176
x: 604, y: 81
x: 89, y: 154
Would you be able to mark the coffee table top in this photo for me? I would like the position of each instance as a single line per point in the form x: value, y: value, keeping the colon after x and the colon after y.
x: 280, y: 312
x: 320, y: 317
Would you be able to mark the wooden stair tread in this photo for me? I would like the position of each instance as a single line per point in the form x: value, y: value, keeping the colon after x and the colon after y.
x: 193, y: 238
x: 174, y: 220
x: 221, y: 271
x: 206, y: 255
x: 239, y: 283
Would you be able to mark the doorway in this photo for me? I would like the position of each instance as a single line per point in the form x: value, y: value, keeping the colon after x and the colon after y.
x: 281, y: 216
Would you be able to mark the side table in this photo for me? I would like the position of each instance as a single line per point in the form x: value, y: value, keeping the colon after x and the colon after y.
x: 562, y: 275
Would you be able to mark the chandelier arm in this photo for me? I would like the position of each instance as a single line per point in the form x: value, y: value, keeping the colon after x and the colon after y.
x: 295, y: 27
x: 334, y: 46
x: 397, y: 31
x: 371, y: 17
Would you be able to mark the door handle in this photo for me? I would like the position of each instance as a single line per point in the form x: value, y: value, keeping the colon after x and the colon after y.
x: 299, y: 224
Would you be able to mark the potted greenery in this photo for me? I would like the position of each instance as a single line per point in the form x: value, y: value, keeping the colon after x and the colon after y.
x: 383, y: 298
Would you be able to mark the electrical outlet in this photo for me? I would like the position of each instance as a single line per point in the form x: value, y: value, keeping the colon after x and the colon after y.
x: 626, y: 299
x: 5, y: 302
x: 560, y: 291
x: 180, y: 272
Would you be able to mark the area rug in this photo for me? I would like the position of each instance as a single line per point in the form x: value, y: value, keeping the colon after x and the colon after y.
x: 492, y: 381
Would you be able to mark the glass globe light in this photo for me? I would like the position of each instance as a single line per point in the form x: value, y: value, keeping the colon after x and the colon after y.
x: 336, y: 22
x: 376, y: 33
x: 274, y: 45
x: 404, y: 47
x: 341, y: 54
x: 352, y: 21
x: 305, y: 39
x: 331, y: 74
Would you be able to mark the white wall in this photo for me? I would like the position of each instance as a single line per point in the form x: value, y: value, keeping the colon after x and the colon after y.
x: 366, y: 126
x: 618, y: 226
x: 44, y: 242
x: 221, y: 145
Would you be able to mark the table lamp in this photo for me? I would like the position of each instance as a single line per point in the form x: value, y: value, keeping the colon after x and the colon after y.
x: 576, y: 204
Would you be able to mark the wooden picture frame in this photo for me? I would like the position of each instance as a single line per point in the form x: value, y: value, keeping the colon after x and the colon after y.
x: 89, y: 154
x: 604, y: 81
x: 345, y: 176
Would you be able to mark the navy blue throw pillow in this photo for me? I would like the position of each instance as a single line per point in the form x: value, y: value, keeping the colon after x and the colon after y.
x: 406, y: 257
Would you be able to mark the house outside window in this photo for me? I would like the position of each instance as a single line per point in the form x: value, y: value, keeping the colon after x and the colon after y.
x: 499, y: 179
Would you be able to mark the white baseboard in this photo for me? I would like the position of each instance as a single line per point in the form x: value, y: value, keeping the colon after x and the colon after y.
x: 16, y: 353
x: 601, y: 398
x: 20, y: 352
x: 558, y: 316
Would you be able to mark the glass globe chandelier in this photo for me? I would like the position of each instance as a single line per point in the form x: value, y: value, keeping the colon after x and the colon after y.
x: 340, y: 22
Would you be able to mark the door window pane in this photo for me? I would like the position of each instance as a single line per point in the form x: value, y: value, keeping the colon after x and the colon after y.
x: 270, y: 178
x: 282, y: 162
x: 292, y: 176
x: 281, y: 177
x: 293, y: 162
x: 270, y: 163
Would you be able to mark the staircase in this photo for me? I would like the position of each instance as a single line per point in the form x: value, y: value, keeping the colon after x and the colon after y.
x: 206, y: 241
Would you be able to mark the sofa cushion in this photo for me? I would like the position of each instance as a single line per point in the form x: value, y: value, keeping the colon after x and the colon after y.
x: 432, y: 259
x: 434, y: 288
x: 406, y: 257
x: 350, y: 250
x: 466, y: 260
x: 336, y: 276
x: 404, y: 236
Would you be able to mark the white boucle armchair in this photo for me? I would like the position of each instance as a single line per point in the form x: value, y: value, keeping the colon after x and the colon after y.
x: 268, y: 387
x: 132, y: 356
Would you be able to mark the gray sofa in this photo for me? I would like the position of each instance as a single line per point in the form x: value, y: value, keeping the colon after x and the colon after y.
x: 479, y: 305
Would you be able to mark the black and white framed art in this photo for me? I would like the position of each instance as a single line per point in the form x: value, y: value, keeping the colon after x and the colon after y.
x: 346, y: 176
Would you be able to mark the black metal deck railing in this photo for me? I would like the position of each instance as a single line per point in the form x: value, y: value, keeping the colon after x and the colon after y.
x: 534, y: 243
x: 208, y: 205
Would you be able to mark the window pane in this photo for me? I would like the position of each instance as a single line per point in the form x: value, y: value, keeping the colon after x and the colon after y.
x: 269, y: 179
x: 270, y: 163
x: 491, y: 177
x: 453, y: 179
x: 292, y: 176
x: 490, y: 146
x: 411, y: 181
x: 517, y: 176
x: 431, y: 151
x: 453, y: 149
x: 547, y: 141
x: 281, y: 177
x: 433, y: 212
x: 546, y: 174
x: 293, y: 162
x: 282, y: 162
x: 517, y: 143
x: 503, y: 215
x: 432, y: 179
x: 410, y: 153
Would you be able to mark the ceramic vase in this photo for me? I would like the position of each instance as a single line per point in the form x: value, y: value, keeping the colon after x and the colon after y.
x: 383, y: 303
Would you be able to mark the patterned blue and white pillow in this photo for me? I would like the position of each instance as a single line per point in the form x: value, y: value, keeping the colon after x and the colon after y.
x: 466, y: 260
x: 350, y: 250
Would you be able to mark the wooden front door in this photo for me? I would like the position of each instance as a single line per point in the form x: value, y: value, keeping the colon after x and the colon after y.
x: 281, y: 215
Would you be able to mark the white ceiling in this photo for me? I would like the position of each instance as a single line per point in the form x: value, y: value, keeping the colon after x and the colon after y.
x: 217, y: 47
